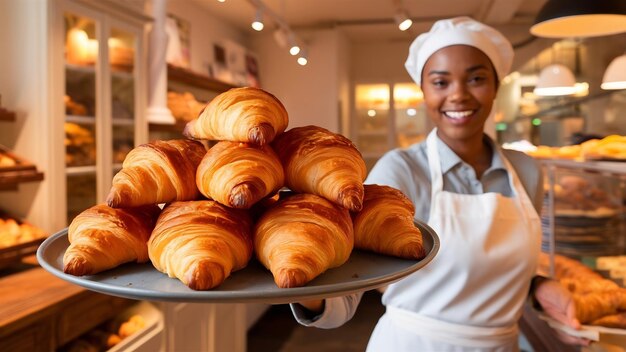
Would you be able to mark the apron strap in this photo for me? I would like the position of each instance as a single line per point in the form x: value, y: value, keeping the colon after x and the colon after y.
x: 434, y: 163
x: 436, y: 176
x: 455, y: 334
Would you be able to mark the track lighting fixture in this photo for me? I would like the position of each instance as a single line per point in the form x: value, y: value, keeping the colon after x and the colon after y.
x: 303, y: 58
x: 258, y: 25
x: 294, y: 48
x: 403, y: 21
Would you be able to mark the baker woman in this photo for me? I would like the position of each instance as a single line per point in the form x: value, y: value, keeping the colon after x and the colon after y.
x: 482, y: 201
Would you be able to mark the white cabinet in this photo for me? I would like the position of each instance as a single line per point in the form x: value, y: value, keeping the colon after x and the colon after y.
x: 104, y: 95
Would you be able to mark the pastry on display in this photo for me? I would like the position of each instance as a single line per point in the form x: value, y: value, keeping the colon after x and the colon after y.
x: 13, y: 233
x: 385, y: 224
x: 302, y: 236
x: 6, y: 161
x: 610, y: 147
x: 576, y: 196
x: 80, y: 145
x: 184, y: 106
x: 323, y: 163
x: 102, y: 238
x: 201, y: 242
x: 249, y: 115
x: 239, y: 174
x: 157, y: 172
x: 597, y: 300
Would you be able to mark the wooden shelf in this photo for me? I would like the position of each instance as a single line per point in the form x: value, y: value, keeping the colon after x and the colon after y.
x: 10, y: 179
x: 6, y: 115
x: 191, y: 78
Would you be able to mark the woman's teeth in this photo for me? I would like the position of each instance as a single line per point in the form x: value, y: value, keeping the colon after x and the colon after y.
x: 458, y: 114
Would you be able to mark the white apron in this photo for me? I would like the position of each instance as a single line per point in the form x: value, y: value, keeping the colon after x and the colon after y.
x: 470, y: 296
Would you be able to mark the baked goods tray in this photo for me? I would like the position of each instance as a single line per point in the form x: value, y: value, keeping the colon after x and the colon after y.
x: 590, y: 332
x: 253, y: 284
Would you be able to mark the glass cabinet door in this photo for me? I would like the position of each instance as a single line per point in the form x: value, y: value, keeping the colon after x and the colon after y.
x: 411, y: 123
x: 372, y: 127
x: 122, y: 65
x: 102, y: 103
x: 81, y: 56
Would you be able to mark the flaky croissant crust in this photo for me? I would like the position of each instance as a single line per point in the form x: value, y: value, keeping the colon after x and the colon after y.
x: 157, y: 172
x: 302, y: 236
x: 239, y: 174
x: 201, y: 242
x: 102, y: 238
x: 385, y: 224
x: 247, y: 114
x: 320, y: 162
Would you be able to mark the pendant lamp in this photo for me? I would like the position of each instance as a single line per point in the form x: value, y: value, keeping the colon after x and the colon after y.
x: 580, y: 18
x: 615, y: 74
x: 555, y: 80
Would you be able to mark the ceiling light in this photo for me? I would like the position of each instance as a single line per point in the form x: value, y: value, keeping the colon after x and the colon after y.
x: 294, y: 49
x: 615, y: 74
x: 302, y: 59
x: 555, y: 80
x: 580, y: 18
x: 403, y: 21
x: 257, y: 25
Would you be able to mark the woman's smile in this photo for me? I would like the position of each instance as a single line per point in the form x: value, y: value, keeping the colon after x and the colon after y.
x: 459, y: 117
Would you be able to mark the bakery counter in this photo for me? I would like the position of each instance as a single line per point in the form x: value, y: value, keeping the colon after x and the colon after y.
x: 40, y: 312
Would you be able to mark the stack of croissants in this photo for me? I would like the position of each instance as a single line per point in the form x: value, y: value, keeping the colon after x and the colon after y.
x: 223, y: 205
x: 598, y: 301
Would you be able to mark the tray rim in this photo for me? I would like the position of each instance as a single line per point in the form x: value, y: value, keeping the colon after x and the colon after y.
x: 278, y: 296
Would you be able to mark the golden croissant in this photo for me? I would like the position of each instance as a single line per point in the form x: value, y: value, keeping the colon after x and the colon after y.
x: 302, y: 236
x: 594, y: 305
x: 201, y: 242
x: 385, y: 224
x: 157, y: 172
x: 239, y: 174
x: 102, y: 238
x: 249, y: 115
x: 320, y: 162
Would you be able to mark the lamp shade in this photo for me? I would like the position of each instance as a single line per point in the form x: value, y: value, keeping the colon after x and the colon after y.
x: 615, y: 74
x: 580, y: 18
x: 555, y: 80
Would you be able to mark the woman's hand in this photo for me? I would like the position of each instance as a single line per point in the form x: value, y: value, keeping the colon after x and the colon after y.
x: 558, y: 303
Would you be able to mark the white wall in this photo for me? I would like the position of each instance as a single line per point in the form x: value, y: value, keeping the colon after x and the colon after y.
x: 206, y: 30
x: 310, y: 93
x: 24, y: 88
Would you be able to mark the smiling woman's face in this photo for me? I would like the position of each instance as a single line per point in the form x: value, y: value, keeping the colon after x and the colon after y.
x: 459, y: 86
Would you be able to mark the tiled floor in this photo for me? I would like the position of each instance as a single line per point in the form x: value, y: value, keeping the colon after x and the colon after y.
x: 277, y: 330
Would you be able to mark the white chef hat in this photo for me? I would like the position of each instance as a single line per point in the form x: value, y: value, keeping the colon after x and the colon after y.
x: 460, y: 30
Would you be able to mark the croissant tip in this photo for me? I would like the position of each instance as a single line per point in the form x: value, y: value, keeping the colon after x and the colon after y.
x: 262, y: 134
x: 288, y: 278
x: 77, y: 266
x: 189, y: 131
x: 201, y: 276
x: 243, y: 196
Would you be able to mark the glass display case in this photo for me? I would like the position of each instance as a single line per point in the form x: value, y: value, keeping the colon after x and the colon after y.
x: 103, y: 115
x: 584, y: 213
x: 387, y: 116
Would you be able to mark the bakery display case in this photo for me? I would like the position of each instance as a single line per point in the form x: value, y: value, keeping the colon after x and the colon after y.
x: 387, y: 116
x: 104, y: 104
x: 583, y: 214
